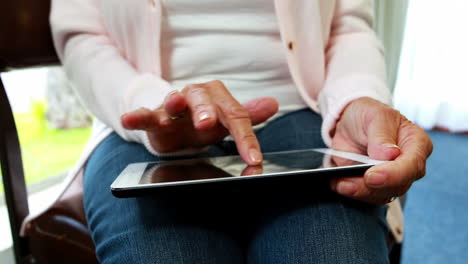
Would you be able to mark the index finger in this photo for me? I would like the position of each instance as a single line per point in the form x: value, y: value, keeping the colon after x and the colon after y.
x: 236, y: 119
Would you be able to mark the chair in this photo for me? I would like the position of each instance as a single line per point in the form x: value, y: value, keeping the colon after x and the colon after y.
x: 60, y: 234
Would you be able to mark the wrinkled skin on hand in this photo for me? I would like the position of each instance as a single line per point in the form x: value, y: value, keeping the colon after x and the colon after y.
x: 372, y: 128
x: 201, y: 115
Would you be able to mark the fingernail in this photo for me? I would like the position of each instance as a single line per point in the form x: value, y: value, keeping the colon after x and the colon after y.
x: 376, y: 179
x: 255, y: 156
x: 203, y: 116
x: 388, y: 145
x: 346, y: 188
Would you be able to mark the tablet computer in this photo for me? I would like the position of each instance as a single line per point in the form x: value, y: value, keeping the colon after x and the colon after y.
x: 298, y: 167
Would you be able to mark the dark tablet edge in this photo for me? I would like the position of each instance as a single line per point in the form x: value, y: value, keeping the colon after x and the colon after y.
x: 235, y: 182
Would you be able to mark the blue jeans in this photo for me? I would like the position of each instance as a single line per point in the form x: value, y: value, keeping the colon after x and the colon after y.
x: 242, y: 226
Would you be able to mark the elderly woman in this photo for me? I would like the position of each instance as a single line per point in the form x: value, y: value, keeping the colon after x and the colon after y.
x: 175, y: 77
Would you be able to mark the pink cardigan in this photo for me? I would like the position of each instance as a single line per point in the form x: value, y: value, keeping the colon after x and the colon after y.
x: 111, y: 51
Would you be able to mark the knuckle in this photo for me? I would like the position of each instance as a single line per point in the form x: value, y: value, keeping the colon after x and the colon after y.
x: 189, y: 88
x: 216, y: 83
x: 364, y: 192
x: 143, y: 110
x: 396, y: 117
x: 387, y: 110
x: 397, y: 112
x: 236, y: 112
x: 195, y: 90
x: 415, y: 170
x: 202, y: 107
x: 164, y: 123
x: 411, y: 129
x: 198, y: 96
x: 429, y: 145
x: 421, y: 168
x: 248, y: 137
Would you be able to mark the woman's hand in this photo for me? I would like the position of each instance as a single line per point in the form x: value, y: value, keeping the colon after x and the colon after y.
x: 369, y: 127
x: 200, y: 115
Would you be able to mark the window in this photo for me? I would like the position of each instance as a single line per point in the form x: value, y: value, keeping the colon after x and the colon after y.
x: 53, y: 128
x: 431, y: 87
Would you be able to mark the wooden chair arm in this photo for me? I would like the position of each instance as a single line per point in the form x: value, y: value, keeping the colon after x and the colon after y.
x: 13, y: 176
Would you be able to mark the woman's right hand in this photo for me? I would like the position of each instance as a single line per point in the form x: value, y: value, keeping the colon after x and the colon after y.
x: 200, y: 115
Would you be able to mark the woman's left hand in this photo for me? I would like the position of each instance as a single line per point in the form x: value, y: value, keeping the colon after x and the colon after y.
x: 372, y: 128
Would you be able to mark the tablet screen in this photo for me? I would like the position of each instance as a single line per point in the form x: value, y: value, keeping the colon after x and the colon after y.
x: 292, y: 162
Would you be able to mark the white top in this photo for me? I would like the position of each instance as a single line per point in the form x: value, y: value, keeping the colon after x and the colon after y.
x: 235, y: 41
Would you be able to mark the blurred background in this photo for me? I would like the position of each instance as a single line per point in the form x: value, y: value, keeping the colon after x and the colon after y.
x: 426, y: 53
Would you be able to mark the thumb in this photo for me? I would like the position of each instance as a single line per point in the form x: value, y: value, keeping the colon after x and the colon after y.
x: 382, y: 134
x: 260, y: 109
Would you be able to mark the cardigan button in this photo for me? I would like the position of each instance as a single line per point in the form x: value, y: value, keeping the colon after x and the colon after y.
x: 291, y: 45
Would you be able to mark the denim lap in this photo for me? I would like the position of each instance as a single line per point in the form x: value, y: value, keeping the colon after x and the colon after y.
x: 261, y: 226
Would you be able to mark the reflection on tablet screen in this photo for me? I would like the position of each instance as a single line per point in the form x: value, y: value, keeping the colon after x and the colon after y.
x: 234, y: 166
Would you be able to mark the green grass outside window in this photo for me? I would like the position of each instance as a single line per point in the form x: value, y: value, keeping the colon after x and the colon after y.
x: 47, y: 151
